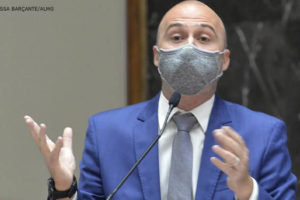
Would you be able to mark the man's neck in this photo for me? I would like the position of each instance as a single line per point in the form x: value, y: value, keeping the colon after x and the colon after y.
x: 188, y: 103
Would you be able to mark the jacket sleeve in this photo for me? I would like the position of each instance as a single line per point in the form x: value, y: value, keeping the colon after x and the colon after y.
x: 90, y: 183
x: 275, y: 180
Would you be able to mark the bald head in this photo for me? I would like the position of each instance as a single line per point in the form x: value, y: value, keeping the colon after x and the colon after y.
x: 191, y: 22
x: 192, y: 11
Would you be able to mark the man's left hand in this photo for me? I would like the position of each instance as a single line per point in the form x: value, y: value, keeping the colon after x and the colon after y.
x: 235, y: 156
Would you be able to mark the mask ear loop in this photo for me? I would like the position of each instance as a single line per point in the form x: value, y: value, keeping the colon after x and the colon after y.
x: 221, y: 73
x: 157, y: 49
x: 216, y: 78
x: 159, y: 52
x: 222, y: 52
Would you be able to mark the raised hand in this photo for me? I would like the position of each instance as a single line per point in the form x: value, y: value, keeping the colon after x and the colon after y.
x: 58, y: 156
x: 234, y: 151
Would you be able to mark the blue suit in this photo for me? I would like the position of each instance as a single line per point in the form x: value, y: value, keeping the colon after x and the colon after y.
x: 117, y: 138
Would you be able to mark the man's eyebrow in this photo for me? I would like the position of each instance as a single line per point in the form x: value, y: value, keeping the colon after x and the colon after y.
x: 200, y: 24
x: 174, y: 25
x: 210, y: 27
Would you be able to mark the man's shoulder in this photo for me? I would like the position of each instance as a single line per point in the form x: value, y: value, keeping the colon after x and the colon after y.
x: 240, y: 112
x: 122, y: 111
x: 128, y: 112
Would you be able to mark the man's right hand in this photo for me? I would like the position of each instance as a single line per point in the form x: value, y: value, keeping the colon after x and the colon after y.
x: 59, y: 155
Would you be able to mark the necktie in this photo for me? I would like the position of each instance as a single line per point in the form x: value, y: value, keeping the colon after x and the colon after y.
x: 180, y: 181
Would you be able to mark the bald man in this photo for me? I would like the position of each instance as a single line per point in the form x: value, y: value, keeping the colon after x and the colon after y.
x: 236, y: 153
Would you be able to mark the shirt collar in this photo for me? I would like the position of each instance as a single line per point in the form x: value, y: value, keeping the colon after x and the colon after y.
x: 201, y: 112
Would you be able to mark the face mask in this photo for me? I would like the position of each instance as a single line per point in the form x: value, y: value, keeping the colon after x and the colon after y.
x: 189, y: 69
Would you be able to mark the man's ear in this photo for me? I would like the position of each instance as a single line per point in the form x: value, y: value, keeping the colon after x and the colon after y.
x: 155, y: 55
x: 226, y: 60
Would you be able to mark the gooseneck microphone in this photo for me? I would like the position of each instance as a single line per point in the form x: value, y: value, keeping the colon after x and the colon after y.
x: 173, y: 102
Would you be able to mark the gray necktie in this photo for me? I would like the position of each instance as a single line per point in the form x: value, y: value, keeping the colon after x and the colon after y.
x: 180, y: 181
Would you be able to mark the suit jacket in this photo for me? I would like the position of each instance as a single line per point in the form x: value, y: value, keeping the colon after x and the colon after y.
x: 117, y: 138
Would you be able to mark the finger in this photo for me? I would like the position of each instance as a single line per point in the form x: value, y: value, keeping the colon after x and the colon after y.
x: 54, y: 158
x: 227, y: 143
x: 33, y: 128
x: 32, y: 124
x: 233, y: 134
x: 27, y: 117
x: 228, y: 157
x: 50, y: 143
x: 222, y: 166
x: 67, y: 137
x: 43, y: 140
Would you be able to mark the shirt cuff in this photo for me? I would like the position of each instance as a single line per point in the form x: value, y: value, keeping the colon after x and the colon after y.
x: 254, y: 194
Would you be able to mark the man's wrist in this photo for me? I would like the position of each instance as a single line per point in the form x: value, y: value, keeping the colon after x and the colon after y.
x: 54, y: 193
x: 245, y: 191
x: 255, y: 191
x: 62, y: 186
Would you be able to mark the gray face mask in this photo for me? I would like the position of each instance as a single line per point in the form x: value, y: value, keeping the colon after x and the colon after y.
x: 189, y: 69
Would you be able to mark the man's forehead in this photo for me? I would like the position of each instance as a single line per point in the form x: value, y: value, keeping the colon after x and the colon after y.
x: 191, y: 12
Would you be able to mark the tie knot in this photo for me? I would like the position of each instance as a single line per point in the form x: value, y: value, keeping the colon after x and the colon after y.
x: 185, y: 122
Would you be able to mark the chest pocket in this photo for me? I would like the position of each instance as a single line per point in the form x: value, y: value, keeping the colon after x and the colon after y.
x: 222, y: 183
x: 222, y: 191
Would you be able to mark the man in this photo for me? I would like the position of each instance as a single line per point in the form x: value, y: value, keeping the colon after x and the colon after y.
x: 236, y: 153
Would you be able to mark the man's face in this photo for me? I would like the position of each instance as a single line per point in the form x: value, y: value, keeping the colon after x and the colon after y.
x: 191, y: 23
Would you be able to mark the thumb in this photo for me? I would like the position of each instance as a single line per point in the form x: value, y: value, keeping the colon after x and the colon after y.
x: 67, y: 137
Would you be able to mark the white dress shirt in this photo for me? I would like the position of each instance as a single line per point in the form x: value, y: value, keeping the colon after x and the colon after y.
x: 202, y: 114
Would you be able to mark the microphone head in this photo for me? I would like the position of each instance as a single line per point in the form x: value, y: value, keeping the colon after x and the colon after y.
x: 175, y: 99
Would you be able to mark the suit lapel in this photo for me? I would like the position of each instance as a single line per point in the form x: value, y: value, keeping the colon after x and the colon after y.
x: 144, y: 133
x: 208, y: 173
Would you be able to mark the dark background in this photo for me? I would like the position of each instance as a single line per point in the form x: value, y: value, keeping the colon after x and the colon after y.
x: 264, y: 74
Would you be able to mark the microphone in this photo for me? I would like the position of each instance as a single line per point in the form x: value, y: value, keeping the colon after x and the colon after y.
x: 173, y: 102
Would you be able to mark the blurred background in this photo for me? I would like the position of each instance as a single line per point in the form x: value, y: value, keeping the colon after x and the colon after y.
x: 60, y: 67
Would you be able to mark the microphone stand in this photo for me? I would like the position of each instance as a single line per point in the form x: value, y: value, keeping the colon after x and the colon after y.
x: 174, y: 100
